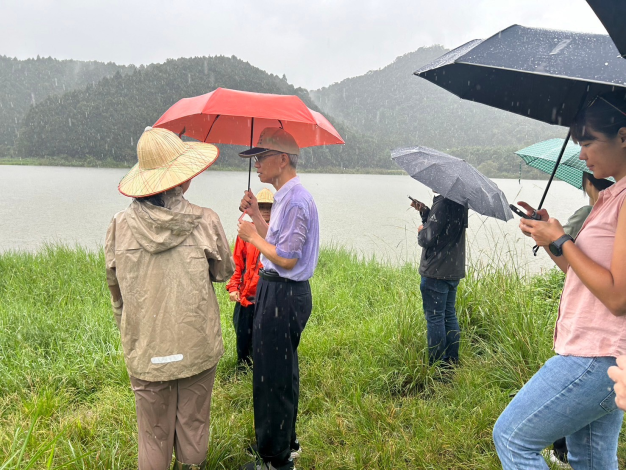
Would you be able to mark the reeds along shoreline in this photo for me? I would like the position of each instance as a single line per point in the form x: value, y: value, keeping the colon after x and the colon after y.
x: 368, y: 399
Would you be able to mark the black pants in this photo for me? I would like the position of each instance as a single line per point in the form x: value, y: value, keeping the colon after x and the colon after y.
x: 242, y: 321
x: 282, y: 311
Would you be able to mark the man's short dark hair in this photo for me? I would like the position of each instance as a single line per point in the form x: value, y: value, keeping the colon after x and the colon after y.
x: 293, y: 160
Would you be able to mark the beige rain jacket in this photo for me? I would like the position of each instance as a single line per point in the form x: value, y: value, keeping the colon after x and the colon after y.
x: 164, y: 261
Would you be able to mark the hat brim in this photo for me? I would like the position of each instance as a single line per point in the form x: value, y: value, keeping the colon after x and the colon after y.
x: 255, y: 152
x: 196, y: 158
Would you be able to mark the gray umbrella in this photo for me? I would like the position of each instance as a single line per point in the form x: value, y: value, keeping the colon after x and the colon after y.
x: 454, y: 179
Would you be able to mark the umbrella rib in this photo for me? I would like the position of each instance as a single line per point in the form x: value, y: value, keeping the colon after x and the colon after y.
x: 211, y: 128
x: 582, y: 80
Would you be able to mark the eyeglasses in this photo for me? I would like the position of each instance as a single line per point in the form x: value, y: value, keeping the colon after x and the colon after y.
x: 263, y: 157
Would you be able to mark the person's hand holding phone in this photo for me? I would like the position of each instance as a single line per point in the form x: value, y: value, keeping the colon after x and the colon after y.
x: 544, y: 230
x: 531, y: 213
x: 418, y: 205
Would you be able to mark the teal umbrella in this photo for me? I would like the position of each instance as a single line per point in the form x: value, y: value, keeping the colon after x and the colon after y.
x: 543, y: 156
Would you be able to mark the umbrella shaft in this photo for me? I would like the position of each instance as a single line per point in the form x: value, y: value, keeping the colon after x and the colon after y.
x: 249, y: 172
x: 556, y: 165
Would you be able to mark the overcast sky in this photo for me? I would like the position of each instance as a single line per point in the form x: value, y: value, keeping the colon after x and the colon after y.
x: 313, y: 42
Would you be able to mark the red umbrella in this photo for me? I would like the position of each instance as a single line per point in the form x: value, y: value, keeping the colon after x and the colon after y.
x: 237, y: 117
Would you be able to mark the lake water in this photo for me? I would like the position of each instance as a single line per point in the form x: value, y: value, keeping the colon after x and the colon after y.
x: 369, y: 214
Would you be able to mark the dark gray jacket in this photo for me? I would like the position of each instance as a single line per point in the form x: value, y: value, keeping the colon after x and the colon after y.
x: 443, y: 240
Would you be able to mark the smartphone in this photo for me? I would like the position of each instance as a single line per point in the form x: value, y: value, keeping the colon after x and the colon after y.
x: 523, y: 214
x: 414, y: 200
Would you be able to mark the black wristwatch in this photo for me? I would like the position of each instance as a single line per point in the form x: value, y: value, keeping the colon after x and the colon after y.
x: 556, y: 247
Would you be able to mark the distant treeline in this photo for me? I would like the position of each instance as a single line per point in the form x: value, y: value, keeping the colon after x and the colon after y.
x: 92, y: 113
x: 25, y: 83
x: 102, y: 122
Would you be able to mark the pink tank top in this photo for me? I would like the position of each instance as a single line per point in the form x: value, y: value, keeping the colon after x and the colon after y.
x: 585, y: 327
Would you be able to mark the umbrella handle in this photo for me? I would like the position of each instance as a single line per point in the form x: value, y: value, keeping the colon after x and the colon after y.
x: 249, y: 172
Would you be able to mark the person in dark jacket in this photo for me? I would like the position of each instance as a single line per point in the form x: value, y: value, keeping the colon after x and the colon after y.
x: 442, y: 266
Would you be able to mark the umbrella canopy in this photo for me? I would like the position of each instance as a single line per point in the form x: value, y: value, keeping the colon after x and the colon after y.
x: 237, y: 117
x: 543, y: 74
x: 612, y: 13
x: 543, y: 156
x: 454, y: 179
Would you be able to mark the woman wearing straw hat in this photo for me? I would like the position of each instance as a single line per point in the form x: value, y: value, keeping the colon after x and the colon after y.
x: 162, y: 255
x: 242, y: 286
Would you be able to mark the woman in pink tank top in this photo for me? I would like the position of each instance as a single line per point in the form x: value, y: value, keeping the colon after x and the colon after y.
x: 572, y: 395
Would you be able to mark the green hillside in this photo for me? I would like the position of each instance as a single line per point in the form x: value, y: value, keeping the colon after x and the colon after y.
x: 393, y: 104
x: 89, y: 113
x: 24, y: 83
x: 102, y: 122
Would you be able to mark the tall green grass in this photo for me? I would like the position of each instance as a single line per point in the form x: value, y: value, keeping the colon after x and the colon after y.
x: 369, y: 400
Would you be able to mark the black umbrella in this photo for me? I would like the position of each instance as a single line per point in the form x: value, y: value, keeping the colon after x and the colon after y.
x: 543, y: 74
x: 612, y: 13
x: 454, y: 179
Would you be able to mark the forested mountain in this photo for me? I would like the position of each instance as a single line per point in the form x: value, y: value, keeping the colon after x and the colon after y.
x: 408, y: 110
x: 27, y: 82
x: 103, y: 121
x: 104, y: 108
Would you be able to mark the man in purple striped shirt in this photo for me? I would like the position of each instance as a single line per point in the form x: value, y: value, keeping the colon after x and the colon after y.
x: 289, y: 248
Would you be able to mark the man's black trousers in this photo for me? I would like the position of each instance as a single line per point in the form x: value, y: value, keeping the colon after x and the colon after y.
x: 281, y: 313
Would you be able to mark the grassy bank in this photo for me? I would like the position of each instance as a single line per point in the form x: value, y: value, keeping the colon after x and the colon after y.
x: 368, y: 400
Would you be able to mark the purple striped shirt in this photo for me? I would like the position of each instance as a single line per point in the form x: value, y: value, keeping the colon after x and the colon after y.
x: 295, y: 231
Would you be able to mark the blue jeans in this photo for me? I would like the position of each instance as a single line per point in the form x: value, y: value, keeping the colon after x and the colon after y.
x: 569, y: 396
x: 442, y: 327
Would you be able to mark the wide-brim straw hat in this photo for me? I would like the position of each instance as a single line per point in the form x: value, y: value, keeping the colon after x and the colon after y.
x: 265, y: 196
x: 165, y: 161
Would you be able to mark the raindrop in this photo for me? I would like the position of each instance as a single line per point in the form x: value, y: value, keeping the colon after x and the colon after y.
x: 70, y: 121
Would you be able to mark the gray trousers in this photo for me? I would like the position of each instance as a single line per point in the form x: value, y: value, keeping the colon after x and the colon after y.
x: 173, y: 415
